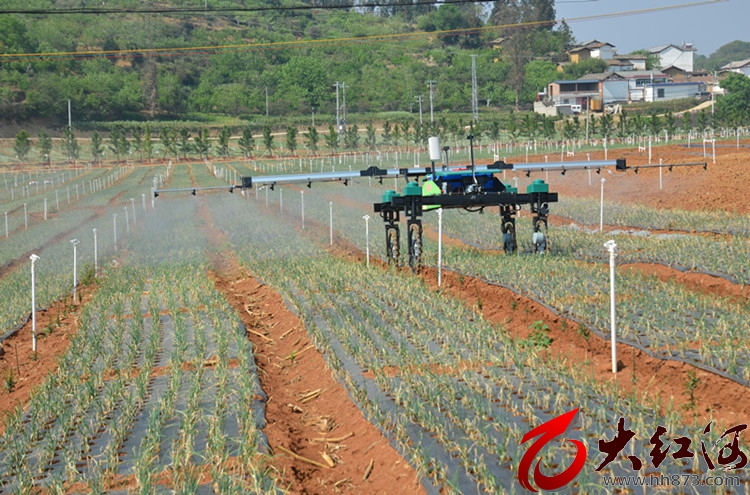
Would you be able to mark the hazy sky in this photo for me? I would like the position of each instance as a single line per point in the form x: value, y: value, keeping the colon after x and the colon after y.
x: 707, y: 24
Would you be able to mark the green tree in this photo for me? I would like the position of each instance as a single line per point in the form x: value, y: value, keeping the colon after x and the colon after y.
x: 513, y: 128
x: 702, y: 120
x: 548, y: 127
x: 291, y: 138
x: 201, y: 143
x: 45, y: 146
x: 96, y: 148
x: 736, y: 103
x: 183, y: 143
x: 588, y: 66
x: 396, y: 134
x: 332, y: 138
x: 22, y: 145
x: 351, y: 138
x: 305, y: 78
x: 71, y: 144
x: 655, y: 124
x: 137, y: 133
x: 312, y: 139
x: 268, y: 138
x: 246, y: 142
x: 493, y: 131
x: 530, y: 125
x: 622, y: 124
x: 371, y: 140
x: 606, y: 123
x: 148, y: 143
x: 224, y: 135
x: 115, y: 135
x: 670, y: 123
x: 387, y: 129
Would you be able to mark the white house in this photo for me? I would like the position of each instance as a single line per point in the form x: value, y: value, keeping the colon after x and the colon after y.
x: 675, y: 56
x: 741, y: 67
x: 672, y: 91
x: 592, y: 49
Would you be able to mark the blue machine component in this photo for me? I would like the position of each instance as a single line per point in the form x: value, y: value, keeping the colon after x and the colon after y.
x: 464, y: 181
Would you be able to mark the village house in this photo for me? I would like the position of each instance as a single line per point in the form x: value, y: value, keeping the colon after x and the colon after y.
x: 675, y: 56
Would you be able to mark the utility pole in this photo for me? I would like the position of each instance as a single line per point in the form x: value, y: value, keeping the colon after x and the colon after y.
x: 419, y: 100
x: 431, y: 83
x: 474, y: 97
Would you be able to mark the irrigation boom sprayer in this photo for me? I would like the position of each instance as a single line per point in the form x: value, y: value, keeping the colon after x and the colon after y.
x: 472, y: 188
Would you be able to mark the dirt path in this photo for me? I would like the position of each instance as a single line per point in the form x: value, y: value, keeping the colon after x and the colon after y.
x: 321, y: 442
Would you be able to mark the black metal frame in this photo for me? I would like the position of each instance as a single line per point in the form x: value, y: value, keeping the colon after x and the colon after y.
x: 413, y: 208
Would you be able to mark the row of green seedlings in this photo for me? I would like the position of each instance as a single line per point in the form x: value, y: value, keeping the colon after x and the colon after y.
x: 180, y: 175
x: 40, y: 234
x: 255, y: 257
x: 586, y: 211
x: 691, y: 318
x: 25, y: 212
x: 717, y: 256
x: 369, y: 358
x: 54, y: 271
x: 67, y: 407
x: 702, y: 321
x: 667, y: 318
x: 189, y: 288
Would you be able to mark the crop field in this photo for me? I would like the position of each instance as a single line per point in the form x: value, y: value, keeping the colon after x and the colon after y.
x: 185, y: 362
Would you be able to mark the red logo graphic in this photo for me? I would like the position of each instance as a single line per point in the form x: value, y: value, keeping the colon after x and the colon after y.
x: 549, y: 430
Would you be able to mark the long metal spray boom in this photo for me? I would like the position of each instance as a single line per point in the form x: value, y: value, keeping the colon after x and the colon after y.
x: 381, y: 173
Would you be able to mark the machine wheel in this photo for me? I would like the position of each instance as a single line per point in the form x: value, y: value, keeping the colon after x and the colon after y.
x: 539, y: 238
x: 509, y: 239
x: 392, y: 244
x: 540, y: 242
x: 415, y: 246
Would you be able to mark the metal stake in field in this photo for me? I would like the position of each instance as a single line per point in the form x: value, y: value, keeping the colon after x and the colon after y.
x: 601, y: 207
x: 25, y: 218
x: 127, y: 221
x: 45, y: 208
x: 96, y: 255
x: 330, y: 214
x: 132, y: 204
x: 33, y: 258
x: 367, y: 238
x: 75, y: 270
x: 114, y: 228
x: 440, y: 247
x: 302, y: 201
x: 143, y: 200
x: 611, y: 246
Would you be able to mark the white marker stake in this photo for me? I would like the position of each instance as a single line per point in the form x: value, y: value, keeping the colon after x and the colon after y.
x: 611, y: 246
x: 367, y: 238
x: 33, y: 258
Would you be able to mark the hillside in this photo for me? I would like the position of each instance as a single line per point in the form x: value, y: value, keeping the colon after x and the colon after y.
x: 731, y: 52
x: 170, y: 60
